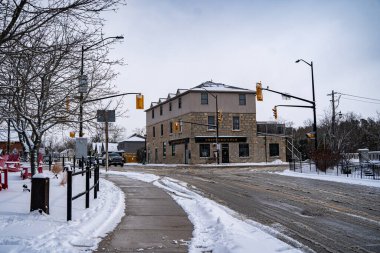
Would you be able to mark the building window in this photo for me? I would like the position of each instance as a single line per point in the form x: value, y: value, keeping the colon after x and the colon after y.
x: 154, y: 132
x: 173, y: 150
x: 160, y: 109
x: 274, y: 149
x: 243, y: 150
x: 162, y: 129
x: 171, y: 127
x: 170, y: 106
x: 242, y: 100
x: 235, y: 123
x: 153, y: 114
x: 204, y: 150
x: 180, y: 103
x: 164, y: 149
x: 204, y: 98
x: 211, y: 123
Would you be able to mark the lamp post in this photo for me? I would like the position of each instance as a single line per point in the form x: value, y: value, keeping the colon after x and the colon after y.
x: 83, y: 81
x: 314, y: 107
x: 217, y: 123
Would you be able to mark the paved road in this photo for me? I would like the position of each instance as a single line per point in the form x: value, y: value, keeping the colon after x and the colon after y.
x: 324, y: 216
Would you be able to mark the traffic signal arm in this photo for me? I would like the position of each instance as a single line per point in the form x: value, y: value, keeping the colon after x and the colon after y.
x: 287, y: 95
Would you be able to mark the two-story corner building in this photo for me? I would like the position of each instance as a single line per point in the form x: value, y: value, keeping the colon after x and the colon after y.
x: 199, y: 140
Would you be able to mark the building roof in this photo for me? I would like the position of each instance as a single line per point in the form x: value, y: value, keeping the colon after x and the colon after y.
x: 135, y: 138
x: 112, y: 147
x: 203, y: 87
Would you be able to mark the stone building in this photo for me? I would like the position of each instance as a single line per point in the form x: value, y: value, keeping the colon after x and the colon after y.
x: 185, y: 128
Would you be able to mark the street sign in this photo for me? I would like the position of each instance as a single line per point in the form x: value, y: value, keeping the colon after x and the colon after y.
x: 81, y: 148
x: 105, y: 116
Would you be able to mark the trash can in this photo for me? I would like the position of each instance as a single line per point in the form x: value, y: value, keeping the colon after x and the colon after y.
x: 40, y: 194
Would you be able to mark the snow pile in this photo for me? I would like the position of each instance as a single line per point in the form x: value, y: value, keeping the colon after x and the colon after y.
x: 306, y: 173
x: 216, y: 228
x: 25, y: 231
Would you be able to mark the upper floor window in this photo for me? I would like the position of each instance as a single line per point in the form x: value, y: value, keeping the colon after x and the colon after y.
x: 170, y: 106
x: 154, y: 131
x: 153, y: 114
x: 160, y: 109
x: 235, y: 123
x: 204, y: 98
x: 171, y: 127
x: 162, y: 129
x: 211, y: 123
x: 242, y: 100
x: 179, y: 102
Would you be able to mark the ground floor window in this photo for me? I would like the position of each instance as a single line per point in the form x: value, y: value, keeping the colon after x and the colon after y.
x: 274, y: 149
x: 173, y: 150
x: 164, y: 149
x: 243, y: 150
x: 204, y: 150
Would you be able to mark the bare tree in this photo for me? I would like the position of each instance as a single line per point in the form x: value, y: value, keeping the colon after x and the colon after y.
x: 40, y: 70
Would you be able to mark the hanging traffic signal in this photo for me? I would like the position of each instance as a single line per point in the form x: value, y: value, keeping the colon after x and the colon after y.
x: 72, y: 134
x: 176, y: 126
x: 139, y: 101
x: 310, y: 135
x: 259, y: 91
x: 220, y: 116
x: 274, y: 112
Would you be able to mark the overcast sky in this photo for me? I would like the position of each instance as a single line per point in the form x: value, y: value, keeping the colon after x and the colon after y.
x: 171, y: 44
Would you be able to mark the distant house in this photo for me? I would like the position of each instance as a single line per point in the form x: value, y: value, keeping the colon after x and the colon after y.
x: 14, y: 142
x: 130, y: 146
x: 100, y: 147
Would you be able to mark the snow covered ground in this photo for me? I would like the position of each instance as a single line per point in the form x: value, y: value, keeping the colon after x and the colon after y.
x: 215, y: 227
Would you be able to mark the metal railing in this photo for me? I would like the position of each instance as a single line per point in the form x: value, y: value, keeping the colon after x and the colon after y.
x: 347, y: 169
x: 70, y: 174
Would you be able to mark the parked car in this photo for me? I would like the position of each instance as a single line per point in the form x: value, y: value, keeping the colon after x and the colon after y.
x: 113, y: 159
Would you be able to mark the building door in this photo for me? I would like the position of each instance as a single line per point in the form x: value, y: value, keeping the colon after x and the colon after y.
x: 186, y: 154
x: 225, y: 153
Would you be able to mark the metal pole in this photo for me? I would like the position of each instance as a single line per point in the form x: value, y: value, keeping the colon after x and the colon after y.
x: 87, y: 187
x: 106, y: 129
x: 81, y: 98
x: 69, y: 193
x: 217, y: 129
x: 314, y: 108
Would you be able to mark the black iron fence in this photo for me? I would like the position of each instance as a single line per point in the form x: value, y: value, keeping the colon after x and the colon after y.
x: 347, y: 169
x: 86, y: 168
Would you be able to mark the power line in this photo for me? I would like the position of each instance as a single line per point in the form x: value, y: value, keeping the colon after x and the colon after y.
x: 358, y: 96
x: 361, y: 101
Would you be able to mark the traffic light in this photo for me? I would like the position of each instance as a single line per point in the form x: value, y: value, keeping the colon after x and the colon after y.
x: 72, y: 134
x: 220, y: 116
x: 274, y: 112
x: 259, y: 91
x: 67, y: 104
x: 139, y: 101
x: 310, y: 135
x: 177, y: 126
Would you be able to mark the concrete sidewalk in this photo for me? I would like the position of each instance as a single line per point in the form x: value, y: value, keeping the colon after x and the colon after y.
x: 153, y: 221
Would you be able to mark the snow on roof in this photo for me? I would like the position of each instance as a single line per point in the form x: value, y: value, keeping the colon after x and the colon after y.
x: 206, y: 86
x: 135, y: 137
x: 111, y: 146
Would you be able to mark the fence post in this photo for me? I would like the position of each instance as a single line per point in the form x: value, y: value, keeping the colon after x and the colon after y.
x: 50, y: 162
x: 87, y: 187
x: 69, y: 194
x: 82, y: 162
x: 63, y: 162
x: 97, y: 177
x: 95, y: 186
x: 75, y: 161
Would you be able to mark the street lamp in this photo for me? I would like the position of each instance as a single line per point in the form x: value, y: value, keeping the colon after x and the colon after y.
x: 314, y: 111
x: 217, y: 123
x: 83, y: 81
